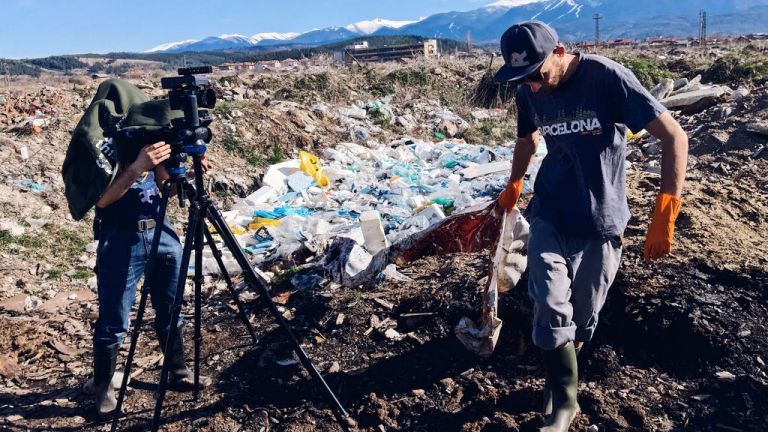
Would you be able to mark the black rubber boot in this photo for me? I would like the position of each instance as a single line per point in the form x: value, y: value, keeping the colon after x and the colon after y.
x: 104, y: 361
x: 562, y: 378
x: 180, y: 378
x: 547, y: 403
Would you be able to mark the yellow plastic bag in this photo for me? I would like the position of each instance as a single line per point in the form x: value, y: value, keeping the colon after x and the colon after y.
x: 634, y: 137
x: 263, y: 222
x: 237, y: 230
x: 310, y: 164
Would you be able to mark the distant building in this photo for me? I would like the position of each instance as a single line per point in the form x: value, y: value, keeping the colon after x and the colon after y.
x: 237, y: 67
x: 428, y: 48
x: 268, y: 65
x: 360, y: 45
x: 289, y: 64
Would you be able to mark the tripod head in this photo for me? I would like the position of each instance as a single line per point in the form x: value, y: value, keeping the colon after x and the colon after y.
x: 191, y: 93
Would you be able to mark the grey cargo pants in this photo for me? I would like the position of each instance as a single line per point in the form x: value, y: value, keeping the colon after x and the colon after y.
x: 568, y: 282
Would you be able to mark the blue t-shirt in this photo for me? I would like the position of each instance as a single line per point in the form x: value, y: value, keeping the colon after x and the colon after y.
x: 580, y: 187
x: 141, y: 201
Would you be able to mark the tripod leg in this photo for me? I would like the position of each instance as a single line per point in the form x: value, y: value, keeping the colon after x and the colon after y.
x: 217, y: 220
x: 142, y: 303
x: 189, y: 239
x: 230, y: 286
x: 198, y: 279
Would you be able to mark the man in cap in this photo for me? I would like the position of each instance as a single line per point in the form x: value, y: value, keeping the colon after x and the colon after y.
x: 582, y: 105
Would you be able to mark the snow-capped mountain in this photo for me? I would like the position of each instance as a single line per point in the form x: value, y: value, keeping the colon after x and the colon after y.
x: 371, y: 26
x: 573, y: 19
x: 225, y: 41
x: 312, y: 37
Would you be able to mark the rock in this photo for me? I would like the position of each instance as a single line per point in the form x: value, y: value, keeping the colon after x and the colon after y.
x: 739, y: 93
x: 449, y: 128
x: 92, y: 246
x: 723, y: 113
x: 418, y: 392
x: 9, y: 365
x: 229, y: 128
x: 758, y: 128
x: 634, y: 155
x: 448, y: 383
x: 700, y: 105
x: 692, y: 85
x: 32, y: 302
x: 12, y: 228
x: 334, y: 368
x: 725, y: 376
x: 680, y: 83
x: 393, y: 334
x: 663, y: 89
x: 683, y: 100
x: 652, y: 166
x: 652, y: 148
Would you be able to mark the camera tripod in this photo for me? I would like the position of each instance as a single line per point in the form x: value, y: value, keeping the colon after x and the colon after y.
x: 202, y: 209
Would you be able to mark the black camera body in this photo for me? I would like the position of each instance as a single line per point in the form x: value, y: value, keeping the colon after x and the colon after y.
x: 190, y: 82
x: 153, y: 121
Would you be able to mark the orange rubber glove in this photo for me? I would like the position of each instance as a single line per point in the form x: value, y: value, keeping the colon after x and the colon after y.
x: 658, y: 241
x: 510, y: 195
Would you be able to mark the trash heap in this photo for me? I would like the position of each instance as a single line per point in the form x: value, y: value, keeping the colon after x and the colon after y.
x: 374, y: 197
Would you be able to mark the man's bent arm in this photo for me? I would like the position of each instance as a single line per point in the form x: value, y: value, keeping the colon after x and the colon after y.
x: 119, y: 187
x: 674, y: 155
x: 525, y: 148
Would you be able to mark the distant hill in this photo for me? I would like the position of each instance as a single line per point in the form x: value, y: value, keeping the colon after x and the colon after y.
x: 573, y: 19
x: 111, y: 63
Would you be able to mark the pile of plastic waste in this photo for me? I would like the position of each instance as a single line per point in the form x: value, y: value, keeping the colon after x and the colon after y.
x: 374, y: 197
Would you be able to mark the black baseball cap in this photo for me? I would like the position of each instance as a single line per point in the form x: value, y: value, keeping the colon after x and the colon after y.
x: 524, y: 47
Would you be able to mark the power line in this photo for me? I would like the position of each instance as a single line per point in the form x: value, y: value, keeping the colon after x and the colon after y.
x: 702, y: 27
x: 597, y: 19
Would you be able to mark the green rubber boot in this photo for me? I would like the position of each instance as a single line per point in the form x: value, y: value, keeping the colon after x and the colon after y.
x: 104, y: 360
x: 562, y: 380
x: 181, y: 377
x: 546, y: 408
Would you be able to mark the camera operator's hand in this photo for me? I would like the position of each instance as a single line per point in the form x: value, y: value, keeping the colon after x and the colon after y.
x: 152, y: 155
x: 203, y: 163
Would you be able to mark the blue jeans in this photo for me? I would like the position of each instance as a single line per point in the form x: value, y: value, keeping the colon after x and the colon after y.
x: 121, y: 258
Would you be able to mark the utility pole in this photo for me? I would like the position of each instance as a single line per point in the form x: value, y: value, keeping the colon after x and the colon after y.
x: 597, y: 19
x: 702, y: 27
x: 469, y: 42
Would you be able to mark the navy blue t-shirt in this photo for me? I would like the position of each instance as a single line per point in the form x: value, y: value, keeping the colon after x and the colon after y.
x: 580, y: 187
x: 141, y: 201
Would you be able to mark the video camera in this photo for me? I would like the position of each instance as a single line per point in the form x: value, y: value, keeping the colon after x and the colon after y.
x: 154, y: 121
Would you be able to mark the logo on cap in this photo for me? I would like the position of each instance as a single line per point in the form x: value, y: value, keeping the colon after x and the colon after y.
x: 518, y: 59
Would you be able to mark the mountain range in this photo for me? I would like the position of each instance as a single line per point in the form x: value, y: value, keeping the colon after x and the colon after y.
x: 573, y: 19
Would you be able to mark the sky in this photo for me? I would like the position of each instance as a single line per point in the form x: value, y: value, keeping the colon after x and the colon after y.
x: 39, y: 28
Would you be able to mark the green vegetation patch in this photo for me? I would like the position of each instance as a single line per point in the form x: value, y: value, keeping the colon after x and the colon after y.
x: 746, y: 64
x: 648, y: 72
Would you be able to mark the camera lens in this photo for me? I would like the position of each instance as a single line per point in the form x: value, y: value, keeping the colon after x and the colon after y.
x: 206, y: 98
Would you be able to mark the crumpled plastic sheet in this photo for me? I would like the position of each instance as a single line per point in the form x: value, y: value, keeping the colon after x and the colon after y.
x: 507, y: 263
x: 470, y: 230
x: 473, y: 229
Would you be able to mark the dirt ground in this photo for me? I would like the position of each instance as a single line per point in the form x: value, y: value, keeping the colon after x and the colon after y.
x: 681, y: 345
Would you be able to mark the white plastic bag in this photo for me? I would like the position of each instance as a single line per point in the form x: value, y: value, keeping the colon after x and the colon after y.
x: 507, y: 266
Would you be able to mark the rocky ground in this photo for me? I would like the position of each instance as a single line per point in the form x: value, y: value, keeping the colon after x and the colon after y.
x: 681, y: 345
